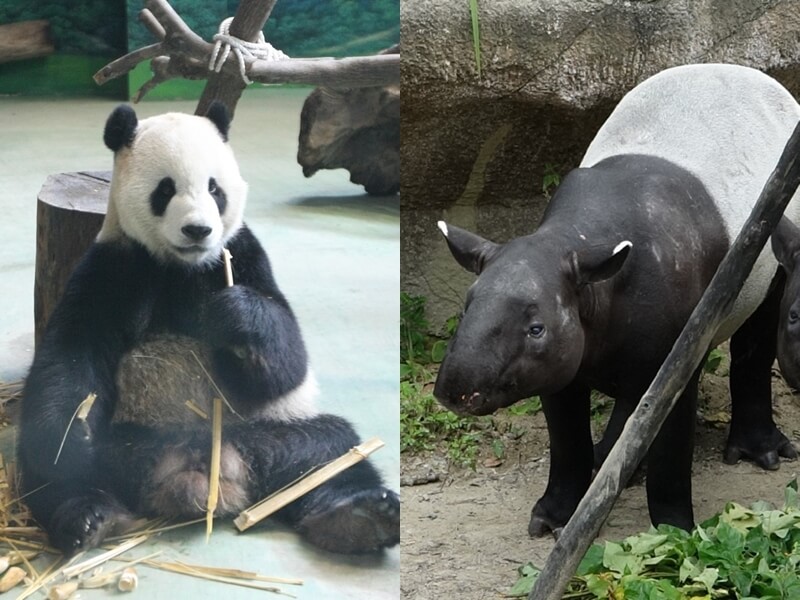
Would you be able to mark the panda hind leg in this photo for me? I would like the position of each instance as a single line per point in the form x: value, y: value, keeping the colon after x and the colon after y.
x: 352, y: 513
x: 353, y: 520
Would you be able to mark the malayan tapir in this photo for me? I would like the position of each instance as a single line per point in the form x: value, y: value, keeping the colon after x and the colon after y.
x: 596, y: 296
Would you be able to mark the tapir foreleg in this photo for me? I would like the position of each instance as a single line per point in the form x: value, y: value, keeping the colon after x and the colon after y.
x: 669, y: 463
x: 571, y: 458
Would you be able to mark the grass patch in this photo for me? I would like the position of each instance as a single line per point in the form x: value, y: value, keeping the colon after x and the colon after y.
x: 425, y: 425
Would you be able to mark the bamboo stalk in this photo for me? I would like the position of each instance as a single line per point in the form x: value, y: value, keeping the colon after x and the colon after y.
x: 250, y: 516
x: 213, y: 471
x: 216, y: 430
x: 227, y: 257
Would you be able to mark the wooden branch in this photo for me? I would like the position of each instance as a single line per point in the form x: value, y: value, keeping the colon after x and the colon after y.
x: 226, y: 87
x: 683, y: 360
x: 26, y: 39
x: 182, y: 53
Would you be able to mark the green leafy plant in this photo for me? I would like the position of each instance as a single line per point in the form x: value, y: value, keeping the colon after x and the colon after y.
x: 713, y: 361
x: 529, y: 406
x: 425, y: 425
x: 746, y: 553
x: 550, y: 180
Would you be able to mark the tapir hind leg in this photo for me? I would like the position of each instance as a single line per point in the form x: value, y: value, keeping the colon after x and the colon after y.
x: 669, y: 463
x: 571, y: 458
x: 753, y: 433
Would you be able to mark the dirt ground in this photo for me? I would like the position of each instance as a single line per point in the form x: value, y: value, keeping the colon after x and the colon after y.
x: 465, y: 533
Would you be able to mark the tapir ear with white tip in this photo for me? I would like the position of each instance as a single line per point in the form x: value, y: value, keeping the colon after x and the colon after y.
x: 471, y: 251
x: 786, y: 244
x: 598, y: 263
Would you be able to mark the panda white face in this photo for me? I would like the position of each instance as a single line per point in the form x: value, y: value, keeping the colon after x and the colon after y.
x: 176, y: 187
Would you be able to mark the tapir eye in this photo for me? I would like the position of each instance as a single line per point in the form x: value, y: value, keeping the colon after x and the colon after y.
x: 793, y: 316
x: 536, y: 330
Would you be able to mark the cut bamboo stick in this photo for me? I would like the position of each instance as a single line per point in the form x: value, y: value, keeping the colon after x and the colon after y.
x: 226, y: 257
x: 213, y: 471
x: 216, y: 430
x: 250, y: 516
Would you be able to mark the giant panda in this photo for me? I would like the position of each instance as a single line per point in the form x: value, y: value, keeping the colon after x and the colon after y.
x: 146, y: 305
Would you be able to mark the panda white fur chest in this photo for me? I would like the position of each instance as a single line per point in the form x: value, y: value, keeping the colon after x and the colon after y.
x: 144, y: 308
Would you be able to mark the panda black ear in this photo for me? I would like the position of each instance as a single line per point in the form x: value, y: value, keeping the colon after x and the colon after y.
x: 218, y: 115
x: 120, y: 127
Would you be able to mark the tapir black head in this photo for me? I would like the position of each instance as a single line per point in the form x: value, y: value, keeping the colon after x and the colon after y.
x: 522, y: 332
x: 786, y: 247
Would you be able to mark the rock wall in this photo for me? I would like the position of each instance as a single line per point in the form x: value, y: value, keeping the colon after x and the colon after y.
x: 475, y: 151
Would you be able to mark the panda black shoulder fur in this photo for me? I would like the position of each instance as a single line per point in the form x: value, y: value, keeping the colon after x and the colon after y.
x: 151, y: 291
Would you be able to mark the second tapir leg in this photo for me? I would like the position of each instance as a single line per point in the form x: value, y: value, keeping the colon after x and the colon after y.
x: 753, y: 433
x: 669, y: 463
x: 619, y: 415
x: 571, y: 458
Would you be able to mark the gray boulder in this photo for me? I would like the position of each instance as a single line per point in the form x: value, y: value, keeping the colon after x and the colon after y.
x: 477, y: 151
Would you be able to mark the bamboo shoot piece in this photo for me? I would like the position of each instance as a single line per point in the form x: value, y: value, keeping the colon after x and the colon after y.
x: 216, y: 431
x: 250, y: 516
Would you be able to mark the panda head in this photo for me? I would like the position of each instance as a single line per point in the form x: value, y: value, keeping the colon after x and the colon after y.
x: 176, y: 187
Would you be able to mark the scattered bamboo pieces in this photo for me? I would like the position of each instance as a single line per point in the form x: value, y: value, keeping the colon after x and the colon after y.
x: 229, y: 576
x: 16, y: 557
x: 250, y: 516
x: 91, y: 563
x: 63, y: 591
x: 196, y: 410
x: 12, y: 578
x: 81, y: 413
x: 128, y: 580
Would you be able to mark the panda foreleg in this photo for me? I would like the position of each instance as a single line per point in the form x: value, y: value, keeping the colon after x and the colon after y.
x: 257, y: 347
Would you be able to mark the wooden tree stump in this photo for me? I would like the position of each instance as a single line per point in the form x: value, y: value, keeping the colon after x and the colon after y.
x: 69, y: 213
x: 27, y: 39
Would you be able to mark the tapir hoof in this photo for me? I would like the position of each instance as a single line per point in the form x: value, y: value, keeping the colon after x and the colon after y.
x: 540, y: 527
x: 541, y: 523
x: 769, y: 459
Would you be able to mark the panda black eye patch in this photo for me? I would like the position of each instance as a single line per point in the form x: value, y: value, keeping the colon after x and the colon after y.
x: 218, y: 194
x: 161, y: 196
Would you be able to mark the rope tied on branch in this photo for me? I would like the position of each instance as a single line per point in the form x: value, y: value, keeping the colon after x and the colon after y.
x: 224, y: 43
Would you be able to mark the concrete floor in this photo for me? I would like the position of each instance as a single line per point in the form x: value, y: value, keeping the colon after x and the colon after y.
x: 335, y: 254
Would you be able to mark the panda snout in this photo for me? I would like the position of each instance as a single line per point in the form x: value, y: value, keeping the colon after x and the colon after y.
x: 196, y: 233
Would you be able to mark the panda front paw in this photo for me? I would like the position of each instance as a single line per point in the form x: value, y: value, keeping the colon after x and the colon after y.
x: 257, y: 346
x: 83, y: 523
x: 235, y: 317
x: 367, y: 521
